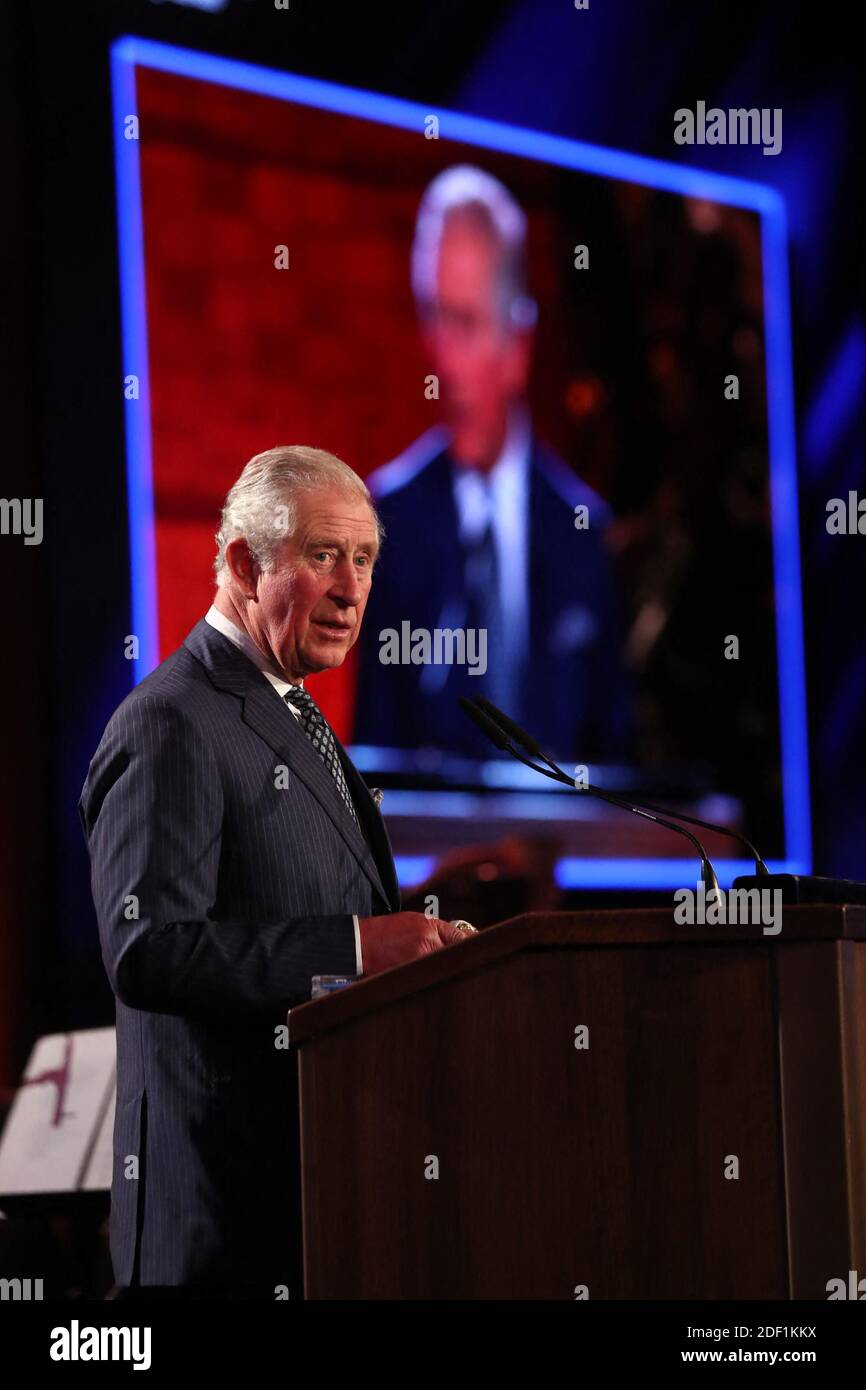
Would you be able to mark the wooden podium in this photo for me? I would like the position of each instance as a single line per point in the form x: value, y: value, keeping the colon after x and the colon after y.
x: 706, y: 1138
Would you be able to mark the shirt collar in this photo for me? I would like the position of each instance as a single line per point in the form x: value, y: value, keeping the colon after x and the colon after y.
x: 478, y: 495
x: 245, y: 643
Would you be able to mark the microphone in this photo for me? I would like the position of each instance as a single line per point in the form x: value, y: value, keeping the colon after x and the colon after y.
x: 487, y: 720
x: 794, y: 887
x: 525, y: 740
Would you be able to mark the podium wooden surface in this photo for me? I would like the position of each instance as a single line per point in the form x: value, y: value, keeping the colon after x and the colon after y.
x: 455, y: 1144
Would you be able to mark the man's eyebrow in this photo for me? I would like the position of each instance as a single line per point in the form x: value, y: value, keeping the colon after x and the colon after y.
x: 317, y: 542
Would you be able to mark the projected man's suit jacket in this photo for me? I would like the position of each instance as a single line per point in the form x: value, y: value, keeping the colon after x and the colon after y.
x: 570, y: 688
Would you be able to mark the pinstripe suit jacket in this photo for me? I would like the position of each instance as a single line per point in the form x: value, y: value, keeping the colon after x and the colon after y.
x: 225, y: 872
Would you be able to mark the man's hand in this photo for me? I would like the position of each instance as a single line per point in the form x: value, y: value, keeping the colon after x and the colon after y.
x: 390, y: 941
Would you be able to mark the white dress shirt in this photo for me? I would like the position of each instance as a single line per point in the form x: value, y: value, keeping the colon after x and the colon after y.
x: 272, y: 674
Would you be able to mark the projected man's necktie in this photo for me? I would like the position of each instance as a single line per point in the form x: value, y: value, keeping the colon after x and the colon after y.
x: 484, y: 610
x: 318, y: 731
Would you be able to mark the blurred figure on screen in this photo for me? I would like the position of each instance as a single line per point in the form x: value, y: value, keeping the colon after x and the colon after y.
x: 483, y: 522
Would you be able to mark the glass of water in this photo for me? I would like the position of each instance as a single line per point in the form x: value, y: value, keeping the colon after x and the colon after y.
x: 327, y: 984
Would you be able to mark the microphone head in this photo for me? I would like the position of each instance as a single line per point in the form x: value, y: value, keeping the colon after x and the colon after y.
x: 519, y: 736
x: 482, y: 721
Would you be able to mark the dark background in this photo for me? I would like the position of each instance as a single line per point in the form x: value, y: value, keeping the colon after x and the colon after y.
x: 612, y: 75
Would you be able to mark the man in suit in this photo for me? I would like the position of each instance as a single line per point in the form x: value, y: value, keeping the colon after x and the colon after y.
x: 235, y: 853
x: 490, y: 530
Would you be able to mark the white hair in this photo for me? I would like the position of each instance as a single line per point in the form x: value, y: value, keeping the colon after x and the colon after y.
x: 472, y: 192
x: 261, y: 506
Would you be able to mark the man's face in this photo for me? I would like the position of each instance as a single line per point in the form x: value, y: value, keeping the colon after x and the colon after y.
x: 481, y: 364
x: 310, y: 604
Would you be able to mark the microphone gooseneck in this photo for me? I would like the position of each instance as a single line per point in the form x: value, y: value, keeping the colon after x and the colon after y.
x: 488, y: 722
x: 521, y: 737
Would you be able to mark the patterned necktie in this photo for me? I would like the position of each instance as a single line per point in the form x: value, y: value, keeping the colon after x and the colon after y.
x: 484, y: 611
x: 318, y: 731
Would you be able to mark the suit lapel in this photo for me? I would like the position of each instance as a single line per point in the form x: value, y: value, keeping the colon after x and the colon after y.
x: 268, y: 716
x: 374, y: 826
x: 544, y: 589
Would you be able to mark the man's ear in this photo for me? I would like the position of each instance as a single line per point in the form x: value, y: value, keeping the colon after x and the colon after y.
x: 242, y: 566
x: 520, y: 360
